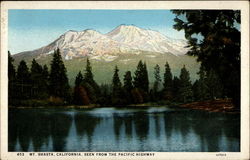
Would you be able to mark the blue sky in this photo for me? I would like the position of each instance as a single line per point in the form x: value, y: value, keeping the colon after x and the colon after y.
x: 32, y: 29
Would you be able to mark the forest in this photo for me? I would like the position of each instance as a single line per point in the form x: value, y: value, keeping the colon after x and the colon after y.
x: 51, y: 87
x: 213, y: 38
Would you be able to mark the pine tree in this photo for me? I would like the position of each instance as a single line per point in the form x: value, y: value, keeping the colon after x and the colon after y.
x: 11, y: 77
x: 141, y: 81
x: 117, y: 87
x: 215, y: 88
x: 88, y: 75
x: 218, y: 45
x: 154, y: 94
x: 185, y: 89
x: 128, y: 86
x: 45, y: 78
x: 168, y: 83
x: 11, y: 68
x: 59, y: 86
x: 200, y: 88
x: 79, y: 79
x: 80, y: 93
x: 176, y: 88
x: 157, y: 78
x: 23, y: 81
x: 138, y: 77
x: 37, y: 80
x: 89, y: 83
x: 145, y: 78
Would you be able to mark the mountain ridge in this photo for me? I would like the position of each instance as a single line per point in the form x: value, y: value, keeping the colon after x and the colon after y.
x: 123, y: 39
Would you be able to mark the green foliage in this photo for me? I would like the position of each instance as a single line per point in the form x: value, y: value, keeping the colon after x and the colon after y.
x: 213, y: 36
x: 168, y: 83
x: 11, y: 77
x: 88, y: 75
x: 185, y: 88
x: 105, y: 96
x: 128, y: 86
x: 59, y: 86
x: 154, y: 94
x: 137, y: 95
x: 39, y: 80
x: 11, y: 68
x: 79, y: 79
x: 214, y: 84
x: 157, y: 78
x: 117, y: 92
x: 141, y: 81
x: 200, y: 88
x: 176, y: 88
x: 145, y: 77
x: 81, y: 96
x: 23, y: 81
x: 90, y: 83
x: 138, y: 77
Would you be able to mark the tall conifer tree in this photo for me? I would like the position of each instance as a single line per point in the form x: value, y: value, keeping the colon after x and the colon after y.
x: 185, y: 89
x: 128, y: 86
x: 168, y: 83
x: 59, y: 86
x: 23, y: 81
x: 116, y: 87
x: 11, y: 77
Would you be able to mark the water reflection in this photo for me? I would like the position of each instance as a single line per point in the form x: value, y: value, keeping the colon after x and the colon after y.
x: 116, y: 130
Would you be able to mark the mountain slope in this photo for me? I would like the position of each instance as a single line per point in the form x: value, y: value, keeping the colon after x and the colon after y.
x: 107, y: 47
x: 124, y: 46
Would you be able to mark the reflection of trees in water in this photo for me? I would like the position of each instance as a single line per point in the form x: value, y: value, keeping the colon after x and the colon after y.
x: 169, y: 119
x: 141, y: 121
x: 85, y: 125
x: 127, y: 121
x: 157, y: 125
x: 209, y: 127
x: 36, y: 127
x: 118, y: 121
x: 12, y: 131
x: 60, y: 124
x: 40, y: 130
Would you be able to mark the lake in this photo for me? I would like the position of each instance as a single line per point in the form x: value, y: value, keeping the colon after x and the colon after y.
x: 160, y: 129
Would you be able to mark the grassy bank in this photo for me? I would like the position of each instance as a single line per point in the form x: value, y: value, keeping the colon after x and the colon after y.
x: 218, y: 105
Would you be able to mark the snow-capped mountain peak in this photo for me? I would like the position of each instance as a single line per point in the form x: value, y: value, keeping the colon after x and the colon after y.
x: 122, y: 39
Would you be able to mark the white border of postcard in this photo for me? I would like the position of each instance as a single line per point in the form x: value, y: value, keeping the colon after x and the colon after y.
x: 237, y: 5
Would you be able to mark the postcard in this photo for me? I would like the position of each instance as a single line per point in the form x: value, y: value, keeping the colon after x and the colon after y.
x: 125, y: 80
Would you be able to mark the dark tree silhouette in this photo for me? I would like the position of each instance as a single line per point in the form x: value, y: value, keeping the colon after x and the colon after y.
x: 128, y: 86
x: 38, y: 81
x: 89, y: 83
x: 23, y: 81
x: 168, y: 83
x: 155, y: 95
x: 59, y: 86
x: 11, y: 77
x: 116, y: 88
x: 217, y: 45
x: 185, y: 88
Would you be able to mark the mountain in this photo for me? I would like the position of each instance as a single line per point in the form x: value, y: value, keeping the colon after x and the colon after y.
x: 107, y: 47
x: 124, y: 46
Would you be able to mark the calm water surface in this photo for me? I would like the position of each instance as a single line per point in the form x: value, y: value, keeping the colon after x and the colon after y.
x: 113, y: 129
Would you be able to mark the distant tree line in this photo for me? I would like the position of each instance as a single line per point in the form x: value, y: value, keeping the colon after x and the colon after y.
x: 38, y: 83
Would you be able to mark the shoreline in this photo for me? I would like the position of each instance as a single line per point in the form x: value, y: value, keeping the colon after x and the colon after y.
x: 219, y: 105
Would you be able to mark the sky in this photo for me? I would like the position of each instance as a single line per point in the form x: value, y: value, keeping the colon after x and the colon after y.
x: 32, y: 29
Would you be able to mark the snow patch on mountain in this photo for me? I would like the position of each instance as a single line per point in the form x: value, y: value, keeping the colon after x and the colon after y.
x: 127, y: 39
